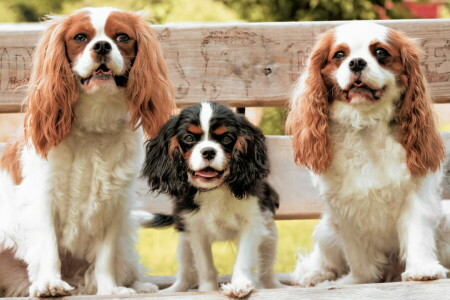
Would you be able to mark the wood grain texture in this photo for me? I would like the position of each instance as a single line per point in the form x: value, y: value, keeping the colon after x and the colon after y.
x: 438, y: 289
x: 165, y: 281
x: 299, y: 199
x: 244, y: 64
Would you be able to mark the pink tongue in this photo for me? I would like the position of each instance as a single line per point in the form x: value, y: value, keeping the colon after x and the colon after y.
x: 207, y: 174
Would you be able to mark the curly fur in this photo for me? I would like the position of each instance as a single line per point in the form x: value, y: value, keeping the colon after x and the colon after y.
x: 309, y: 111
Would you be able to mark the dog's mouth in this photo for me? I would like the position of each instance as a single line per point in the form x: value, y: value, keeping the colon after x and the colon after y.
x: 207, y: 173
x: 102, y: 75
x: 360, y: 89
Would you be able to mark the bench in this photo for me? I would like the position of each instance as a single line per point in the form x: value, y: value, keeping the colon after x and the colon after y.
x: 250, y: 65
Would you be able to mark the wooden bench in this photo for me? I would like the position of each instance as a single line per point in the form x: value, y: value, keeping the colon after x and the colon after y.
x: 250, y: 65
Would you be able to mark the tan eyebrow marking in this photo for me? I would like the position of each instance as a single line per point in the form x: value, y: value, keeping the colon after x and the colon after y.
x: 220, y: 130
x: 195, y: 129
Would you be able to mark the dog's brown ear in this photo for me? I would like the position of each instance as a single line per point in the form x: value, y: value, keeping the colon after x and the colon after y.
x: 149, y: 92
x: 53, y: 91
x: 308, y: 117
x: 419, y: 135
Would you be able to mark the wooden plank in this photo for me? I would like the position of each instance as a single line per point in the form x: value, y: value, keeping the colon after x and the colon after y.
x: 397, y: 290
x: 244, y: 64
x: 165, y: 281
x: 299, y: 199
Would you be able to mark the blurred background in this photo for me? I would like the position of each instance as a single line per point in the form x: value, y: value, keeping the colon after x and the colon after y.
x: 158, y: 247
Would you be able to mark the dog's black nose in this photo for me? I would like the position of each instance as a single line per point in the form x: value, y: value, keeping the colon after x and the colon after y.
x: 357, y: 64
x: 102, y: 47
x: 208, y: 153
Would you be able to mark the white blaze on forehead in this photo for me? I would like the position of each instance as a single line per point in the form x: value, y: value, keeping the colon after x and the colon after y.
x: 360, y: 33
x: 84, y: 64
x: 205, y: 117
x: 196, y: 160
x: 98, y: 16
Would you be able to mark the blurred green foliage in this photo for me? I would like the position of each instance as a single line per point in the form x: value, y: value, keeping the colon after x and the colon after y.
x: 272, y: 122
x: 162, y: 11
x: 216, y: 10
x: 316, y: 10
x: 30, y: 10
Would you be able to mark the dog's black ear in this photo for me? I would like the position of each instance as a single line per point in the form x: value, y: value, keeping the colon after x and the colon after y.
x: 164, y: 166
x: 249, y: 163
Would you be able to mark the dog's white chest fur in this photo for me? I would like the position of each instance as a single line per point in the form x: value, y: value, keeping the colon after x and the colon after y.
x: 93, y: 174
x: 90, y: 173
x: 368, y: 184
x: 221, y: 215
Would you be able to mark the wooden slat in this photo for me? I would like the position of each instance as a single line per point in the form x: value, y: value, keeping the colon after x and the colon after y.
x: 165, y: 281
x: 245, y: 64
x: 438, y: 289
x: 299, y: 199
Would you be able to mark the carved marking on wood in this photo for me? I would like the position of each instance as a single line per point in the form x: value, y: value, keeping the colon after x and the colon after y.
x: 181, y: 83
x: 234, y: 54
x: 437, y: 60
x: 163, y: 35
x: 15, y: 68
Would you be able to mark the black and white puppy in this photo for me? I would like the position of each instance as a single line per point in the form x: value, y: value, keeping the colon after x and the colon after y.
x: 213, y: 162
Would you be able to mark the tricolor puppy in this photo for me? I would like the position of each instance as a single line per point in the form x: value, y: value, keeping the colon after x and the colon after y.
x: 362, y: 122
x: 214, y: 164
x: 66, y: 188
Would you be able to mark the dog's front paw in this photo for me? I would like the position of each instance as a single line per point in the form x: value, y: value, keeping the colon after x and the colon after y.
x: 313, y: 278
x: 237, y: 289
x: 50, y: 288
x: 117, y: 290
x: 142, y: 287
x: 121, y: 290
x: 425, y: 272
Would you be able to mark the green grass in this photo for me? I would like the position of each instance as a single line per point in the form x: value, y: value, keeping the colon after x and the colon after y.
x: 157, y: 248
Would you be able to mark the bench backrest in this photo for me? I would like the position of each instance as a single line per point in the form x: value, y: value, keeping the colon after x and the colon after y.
x: 242, y: 65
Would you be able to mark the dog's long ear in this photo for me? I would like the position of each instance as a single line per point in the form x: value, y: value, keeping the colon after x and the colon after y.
x: 164, y: 166
x: 308, y: 117
x: 149, y: 91
x: 249, y: 163
x: 419, y: 136
x: 53, y: 91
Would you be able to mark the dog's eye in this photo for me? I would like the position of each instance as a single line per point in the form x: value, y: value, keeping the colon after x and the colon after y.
x: 122, y: 38
x: 226, y: 140
x: 81, y: 38
x: 381, y: 53
x: 339, y: 55
x: 189, y: 139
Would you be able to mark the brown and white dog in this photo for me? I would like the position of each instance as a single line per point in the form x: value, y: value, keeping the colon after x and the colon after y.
x: 66, y: 188
x: 362, y: 122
